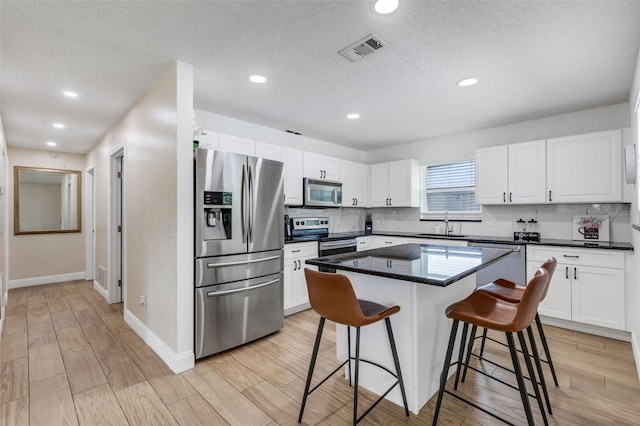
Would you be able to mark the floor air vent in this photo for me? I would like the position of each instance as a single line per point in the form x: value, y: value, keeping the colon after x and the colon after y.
x: 101, y: 277
x: 362, y: 48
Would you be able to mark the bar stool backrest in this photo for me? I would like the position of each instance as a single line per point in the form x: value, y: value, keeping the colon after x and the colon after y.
x: 550, y: 267
x: 533, y: 293
x: 332, y: 297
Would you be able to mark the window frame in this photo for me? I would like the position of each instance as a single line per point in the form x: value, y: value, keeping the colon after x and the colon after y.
x: 426, y: 215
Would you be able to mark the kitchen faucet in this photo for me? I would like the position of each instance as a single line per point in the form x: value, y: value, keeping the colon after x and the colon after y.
x: 447, y: 230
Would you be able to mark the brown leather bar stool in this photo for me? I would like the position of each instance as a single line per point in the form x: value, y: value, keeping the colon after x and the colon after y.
x: 512, y: 292
x: 480, y: 309
x: 332, y: 297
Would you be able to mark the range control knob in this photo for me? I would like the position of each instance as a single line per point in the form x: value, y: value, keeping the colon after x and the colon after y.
x: 297, y: 222
x: 302, y: 223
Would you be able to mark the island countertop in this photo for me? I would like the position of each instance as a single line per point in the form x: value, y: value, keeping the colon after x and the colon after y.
x: 437, y: 265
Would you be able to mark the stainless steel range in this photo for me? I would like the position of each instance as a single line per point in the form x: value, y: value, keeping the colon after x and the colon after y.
x: 239, y: 205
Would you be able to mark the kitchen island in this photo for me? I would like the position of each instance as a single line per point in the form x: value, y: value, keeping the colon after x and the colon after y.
x: 423, y: 279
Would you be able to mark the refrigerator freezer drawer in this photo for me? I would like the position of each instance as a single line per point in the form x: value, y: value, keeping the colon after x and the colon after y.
x: 230, y: 315
x: 225, y: 269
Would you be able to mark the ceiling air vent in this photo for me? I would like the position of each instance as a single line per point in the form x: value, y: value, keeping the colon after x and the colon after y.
x: 293, y: 132
x: 363, y: 47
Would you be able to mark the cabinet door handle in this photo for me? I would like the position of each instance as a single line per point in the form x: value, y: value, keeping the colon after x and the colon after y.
x: 504, y: 197
x: 295, y: 265
x: 389, y: 201
x: 575, y: 273
x: 510, y: 198
x: 549, y: 195
x: 566, y: 272
x: 571, y: 256
x: 356, y: 201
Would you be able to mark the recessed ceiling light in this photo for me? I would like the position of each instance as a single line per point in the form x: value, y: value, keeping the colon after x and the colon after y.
x: 70, y: 94
x: 51, y: 143
x: 257, y: 79
x: 353, y: 116
x: 58, y: 125
x: 467, y: 82
x: 386, y: 6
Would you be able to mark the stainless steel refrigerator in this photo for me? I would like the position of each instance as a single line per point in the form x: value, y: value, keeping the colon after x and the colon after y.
x: 239, y: 237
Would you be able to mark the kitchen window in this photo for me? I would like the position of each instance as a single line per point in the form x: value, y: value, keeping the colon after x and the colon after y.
x: 449, y: 191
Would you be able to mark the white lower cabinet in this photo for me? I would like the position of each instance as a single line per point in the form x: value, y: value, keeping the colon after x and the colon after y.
x: 296, y: 297
x: 378, y: 241
x: 363, y: 243
x: 588, y: 285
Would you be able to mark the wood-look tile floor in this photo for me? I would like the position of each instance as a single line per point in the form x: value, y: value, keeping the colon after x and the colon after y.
x: 68, y: 357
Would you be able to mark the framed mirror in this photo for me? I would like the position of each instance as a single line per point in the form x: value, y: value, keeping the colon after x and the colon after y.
x: 46, y: 201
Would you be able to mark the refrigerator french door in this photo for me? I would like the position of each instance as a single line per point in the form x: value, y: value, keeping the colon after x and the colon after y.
x: 239, y: 205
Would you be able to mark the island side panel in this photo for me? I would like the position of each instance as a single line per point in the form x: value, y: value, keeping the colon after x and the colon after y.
x: 421, y: 331
x: 433, y: 329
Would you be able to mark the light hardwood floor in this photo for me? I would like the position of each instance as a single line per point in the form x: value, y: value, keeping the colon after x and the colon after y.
x: 68, y: 357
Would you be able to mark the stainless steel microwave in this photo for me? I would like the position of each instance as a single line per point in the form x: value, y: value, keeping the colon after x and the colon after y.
x: 322, y: 193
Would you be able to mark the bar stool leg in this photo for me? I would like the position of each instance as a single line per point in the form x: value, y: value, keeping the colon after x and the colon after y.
x: 355, y: 384
x: 312, y: 365
x: 463, y: 342
x: 349, y: 353
x: 521, y: 384
x: 532, y: 375
x: 396, y: 361
x: 445, y: 370
x: 536, y: 357
x: 484, y: 339
x: 546, y: 348
x: 472, y: 339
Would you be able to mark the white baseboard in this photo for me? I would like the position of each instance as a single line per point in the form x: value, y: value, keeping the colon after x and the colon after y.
x: 625, y: 336
x: 635, y: 346
x: 176, y: 362
x: 104, y: 293
x: 48, y: 279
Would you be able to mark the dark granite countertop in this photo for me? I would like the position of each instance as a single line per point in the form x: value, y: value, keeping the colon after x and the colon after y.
x: 484, y: 239
x: 432, y: 264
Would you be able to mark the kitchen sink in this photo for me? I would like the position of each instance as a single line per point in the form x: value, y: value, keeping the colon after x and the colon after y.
x: 443, y: 236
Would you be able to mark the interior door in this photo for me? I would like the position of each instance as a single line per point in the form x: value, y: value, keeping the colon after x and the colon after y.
x: 266, y: 192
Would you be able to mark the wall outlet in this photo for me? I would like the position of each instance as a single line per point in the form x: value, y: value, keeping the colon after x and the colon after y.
x: 494, y: 222
x: 143, y: 301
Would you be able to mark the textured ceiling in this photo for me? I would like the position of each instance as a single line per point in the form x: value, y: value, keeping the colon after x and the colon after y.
x: 533, y: 59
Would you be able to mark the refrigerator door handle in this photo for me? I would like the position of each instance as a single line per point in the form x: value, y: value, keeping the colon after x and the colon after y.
x: 238, y: 290
x: 242, y: 262
x: 251, y: 211
x: 243, y: 204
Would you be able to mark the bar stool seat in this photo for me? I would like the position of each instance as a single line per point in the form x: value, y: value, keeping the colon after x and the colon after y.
x: 332, y: 297
x: 481, y: 309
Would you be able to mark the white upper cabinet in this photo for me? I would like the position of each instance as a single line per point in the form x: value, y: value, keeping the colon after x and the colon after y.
x: 395, y: 184
x: 292, y: 159
x: 492, y: 175
x: 585, y: 168
x: 355, y: 184
x: 511, y: 174
x: 229, y: 143
x: 268, y: 151
x: 209, y: 140
x: 319, y: 166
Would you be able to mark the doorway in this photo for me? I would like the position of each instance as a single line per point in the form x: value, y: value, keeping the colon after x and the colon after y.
x: 116, y: 228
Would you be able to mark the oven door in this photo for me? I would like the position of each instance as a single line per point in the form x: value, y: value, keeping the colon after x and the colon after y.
x: 322, y: 193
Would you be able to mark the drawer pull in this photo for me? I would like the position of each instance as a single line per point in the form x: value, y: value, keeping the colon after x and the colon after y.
x: 571, y: 256
x: 295, y: 251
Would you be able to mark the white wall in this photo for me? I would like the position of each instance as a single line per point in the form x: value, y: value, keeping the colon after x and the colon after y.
x: 4, y: 211
x: 43, y: 258
x: 158, y: 221
x: 634, y: 284
x: 221, y: 124
x: 462, y: 146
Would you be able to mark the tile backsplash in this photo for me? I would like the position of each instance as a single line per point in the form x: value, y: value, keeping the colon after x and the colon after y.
x: 554, y: 221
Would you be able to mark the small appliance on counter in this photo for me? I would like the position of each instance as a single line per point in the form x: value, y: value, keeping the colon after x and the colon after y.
x: 368, y: 224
